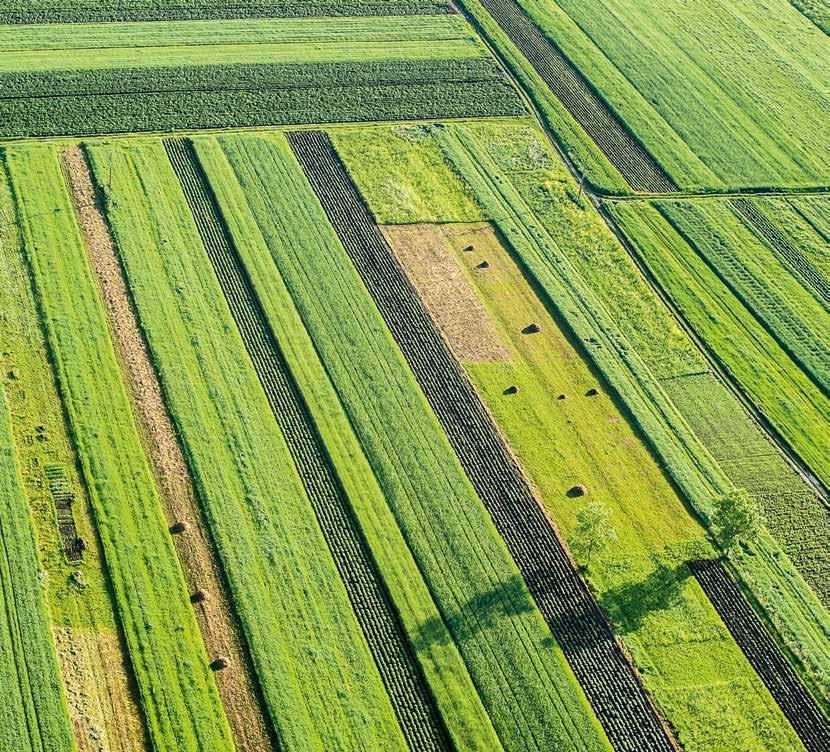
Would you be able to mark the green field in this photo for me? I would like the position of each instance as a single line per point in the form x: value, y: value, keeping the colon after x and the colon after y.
x: 414, y: 376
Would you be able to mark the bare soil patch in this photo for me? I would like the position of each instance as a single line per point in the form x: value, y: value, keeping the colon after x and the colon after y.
x: 433, y: 268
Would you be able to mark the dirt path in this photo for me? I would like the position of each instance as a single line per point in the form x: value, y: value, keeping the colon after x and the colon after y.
x: 217, y: 622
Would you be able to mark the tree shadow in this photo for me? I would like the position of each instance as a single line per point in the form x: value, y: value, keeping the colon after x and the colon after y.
x: 510, y: 598
x: 630, y: 604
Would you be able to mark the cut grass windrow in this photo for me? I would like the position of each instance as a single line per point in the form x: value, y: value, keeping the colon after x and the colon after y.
x: 574, y: 617
x: 33, y: 713
x: 373, y: 608
x: 609, y: 133
x: 802, y: 711
x: 179, y: 696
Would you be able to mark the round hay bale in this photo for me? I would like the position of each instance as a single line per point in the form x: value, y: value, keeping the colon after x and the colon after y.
x: 512, y: 389
x: 533, y: 328
x: 220, y: 663
x: 562, y: 396
x: 576, y: 491
x: 200, y: 596
x: 177, y: 528
x: 483, y: 265
x: 469, y: 249
x: 592, y: 392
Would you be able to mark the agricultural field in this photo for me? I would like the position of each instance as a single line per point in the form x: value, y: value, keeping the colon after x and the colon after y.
x: 414, y: 376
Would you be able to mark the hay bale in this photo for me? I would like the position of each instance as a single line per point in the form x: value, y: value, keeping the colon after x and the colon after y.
x: 200, y: 596
x: 513, y: 389
x: 220, y: 663
x: 576, y: 491
x: 592, y: 392
x: 177, y: 528
x: 469, y: 249
x: 562, y: 396
x: 533, y: 328
x: 483, y: 265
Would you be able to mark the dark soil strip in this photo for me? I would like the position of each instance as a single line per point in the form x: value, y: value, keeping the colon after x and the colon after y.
x: 398, y: 667
x: 764, y: 654
x: 63, y: 498
x: 636, y: 165
x: 604, y: 671
x: 788, y: 252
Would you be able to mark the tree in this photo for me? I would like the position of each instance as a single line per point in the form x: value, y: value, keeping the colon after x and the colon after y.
x: 737, y: 519
x: 594, y: 531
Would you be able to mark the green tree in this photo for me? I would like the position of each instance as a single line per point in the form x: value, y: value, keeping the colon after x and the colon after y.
x: 594, y: 531
x: 737, y: 519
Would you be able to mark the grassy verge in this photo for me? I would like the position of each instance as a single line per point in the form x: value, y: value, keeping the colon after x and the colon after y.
x: 180, y: 700
x: 306, y: 645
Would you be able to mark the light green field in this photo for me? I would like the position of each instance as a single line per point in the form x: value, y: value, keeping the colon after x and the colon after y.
x: 180, y: 700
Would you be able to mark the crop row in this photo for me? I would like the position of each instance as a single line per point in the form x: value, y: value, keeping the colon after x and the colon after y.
x: 56, y: 84
x: 759, y: 280
x: 161, y: 111
x: 363, y: 582
x: 571, y: 612
x: 33, y: 714
x: 180, y: 699
x: 636, y: 165
x: 812, y: 727
x: 304, y: 641
x: 518, y: 669
x: 86, y: 11
x: 792, y: 255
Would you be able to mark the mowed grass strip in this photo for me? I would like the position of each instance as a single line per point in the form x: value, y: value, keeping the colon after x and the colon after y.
x: 522, y: 677
x: 452, y: 689
x: 180, y: 700
x: 320, y: 685
x: 33, y: 713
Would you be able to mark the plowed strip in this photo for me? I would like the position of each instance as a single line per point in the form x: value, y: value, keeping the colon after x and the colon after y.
x: 375, y: 612
x: 608, y: 678
x: 765, y: 656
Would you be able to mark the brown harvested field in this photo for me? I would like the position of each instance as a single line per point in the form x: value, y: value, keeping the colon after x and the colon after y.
x: 217, y: 622
x: 432, y: 267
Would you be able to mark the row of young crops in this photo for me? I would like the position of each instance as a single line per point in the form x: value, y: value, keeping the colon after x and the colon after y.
x: 86, y: 11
